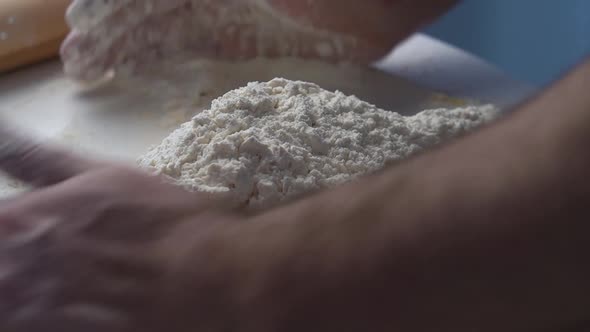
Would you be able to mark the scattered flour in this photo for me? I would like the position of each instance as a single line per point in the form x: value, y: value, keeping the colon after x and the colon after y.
x: 267, y: 142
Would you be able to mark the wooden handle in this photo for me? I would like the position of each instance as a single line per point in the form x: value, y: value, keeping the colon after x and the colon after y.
x: 30, y: 31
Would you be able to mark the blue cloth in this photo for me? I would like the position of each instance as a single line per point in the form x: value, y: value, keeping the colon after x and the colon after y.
x: 532, y: 40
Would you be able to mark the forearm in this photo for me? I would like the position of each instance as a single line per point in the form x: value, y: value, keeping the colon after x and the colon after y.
x: 487, y: 233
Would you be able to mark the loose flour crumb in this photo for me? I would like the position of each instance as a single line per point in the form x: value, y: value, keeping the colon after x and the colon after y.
x: 267, y: 142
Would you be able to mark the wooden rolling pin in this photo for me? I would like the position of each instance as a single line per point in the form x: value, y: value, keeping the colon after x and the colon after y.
x: 30, y: 31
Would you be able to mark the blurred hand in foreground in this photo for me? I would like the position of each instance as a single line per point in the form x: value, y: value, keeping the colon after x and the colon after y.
x: 94, y: 246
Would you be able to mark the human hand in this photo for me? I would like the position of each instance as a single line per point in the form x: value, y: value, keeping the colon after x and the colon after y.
x: 95, y: 246
x: 131, y: 34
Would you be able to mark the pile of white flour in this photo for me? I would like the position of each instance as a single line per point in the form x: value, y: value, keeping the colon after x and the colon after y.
x: 272, y: 141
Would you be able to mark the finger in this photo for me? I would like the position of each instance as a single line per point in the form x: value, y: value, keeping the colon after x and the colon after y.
x: 117, y: 19
x: 113, y: 46
x: 80, y: 63
x: 89, y: 53
x: 84, y: 14
x: 38, y: 164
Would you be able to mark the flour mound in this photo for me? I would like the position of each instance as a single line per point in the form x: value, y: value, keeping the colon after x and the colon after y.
x: 267, y: 142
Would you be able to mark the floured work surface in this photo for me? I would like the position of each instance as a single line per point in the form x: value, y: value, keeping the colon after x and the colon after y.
x: 123, y: 120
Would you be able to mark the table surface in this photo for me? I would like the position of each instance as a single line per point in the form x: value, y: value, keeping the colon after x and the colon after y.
x: 116, y: 125
x: 440, y: 66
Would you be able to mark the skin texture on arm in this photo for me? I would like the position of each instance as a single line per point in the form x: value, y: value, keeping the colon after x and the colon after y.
x: 489, y: 233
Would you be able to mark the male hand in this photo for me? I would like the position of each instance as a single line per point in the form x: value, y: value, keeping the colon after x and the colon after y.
x: 95, y: 246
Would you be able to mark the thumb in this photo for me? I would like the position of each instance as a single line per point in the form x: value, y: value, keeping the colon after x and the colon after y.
x: 38, y: 164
